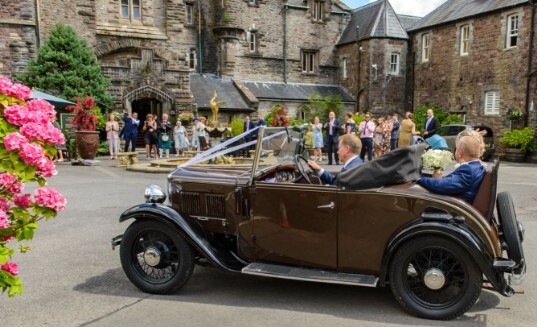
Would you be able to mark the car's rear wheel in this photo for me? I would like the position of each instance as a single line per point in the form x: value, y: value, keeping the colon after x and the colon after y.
x: 513, y: 232
x: 156, y: 258
x: 434, y: 278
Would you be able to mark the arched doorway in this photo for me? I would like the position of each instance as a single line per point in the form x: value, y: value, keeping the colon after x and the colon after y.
x: 147, y: 100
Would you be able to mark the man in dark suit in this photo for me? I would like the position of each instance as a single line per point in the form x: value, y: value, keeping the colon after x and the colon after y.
x: 332, y: 127
x: 261, y: 121
x: 431, y: 124
x: 248, y: 126
x: 348, y: 150
x: 463, y: 182
x: 130, y: 130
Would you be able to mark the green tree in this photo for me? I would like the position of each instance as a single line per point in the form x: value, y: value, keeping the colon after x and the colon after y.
x: 67, y: 67
x: 321, y: 106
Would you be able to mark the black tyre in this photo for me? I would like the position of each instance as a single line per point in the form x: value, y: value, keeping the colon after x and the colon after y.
x: 155, y: 257
x: 434, y: 278
x: 512, y: 230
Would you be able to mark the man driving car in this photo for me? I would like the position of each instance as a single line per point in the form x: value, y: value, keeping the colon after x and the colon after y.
x: 348, y: 151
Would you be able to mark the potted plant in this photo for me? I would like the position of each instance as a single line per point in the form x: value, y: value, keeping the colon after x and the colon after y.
x: 86, y: 120
x: 518, y: 142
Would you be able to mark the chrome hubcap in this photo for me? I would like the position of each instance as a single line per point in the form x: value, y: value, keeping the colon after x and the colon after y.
x: 434, y: 279
x: 152, y: 256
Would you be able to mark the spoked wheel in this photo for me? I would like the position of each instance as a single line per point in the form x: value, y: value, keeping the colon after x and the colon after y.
x: 434, y: 278
x: 155, y: 257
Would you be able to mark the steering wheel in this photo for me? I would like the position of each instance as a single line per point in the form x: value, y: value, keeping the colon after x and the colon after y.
x: 303, y: 167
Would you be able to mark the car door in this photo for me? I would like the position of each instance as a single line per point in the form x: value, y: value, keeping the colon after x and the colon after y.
x: 296, y: 224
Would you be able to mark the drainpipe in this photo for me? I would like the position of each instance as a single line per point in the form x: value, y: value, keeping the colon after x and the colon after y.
x: 530, y: 57
x: 199, y: 39
x: 285, y: 8
x: 37, y: 24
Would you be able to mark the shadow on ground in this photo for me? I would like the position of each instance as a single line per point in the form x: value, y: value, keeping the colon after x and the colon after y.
x: 210, y: 286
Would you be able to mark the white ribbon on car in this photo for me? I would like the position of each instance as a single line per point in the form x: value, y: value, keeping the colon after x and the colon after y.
x: 219, y: 149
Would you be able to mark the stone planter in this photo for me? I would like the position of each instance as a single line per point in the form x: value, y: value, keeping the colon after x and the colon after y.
x: 87, y: 144
x: 532, y: 157
x: 514, y: 155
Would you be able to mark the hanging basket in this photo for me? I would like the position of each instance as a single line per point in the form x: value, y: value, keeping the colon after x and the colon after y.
x: 87, y: 144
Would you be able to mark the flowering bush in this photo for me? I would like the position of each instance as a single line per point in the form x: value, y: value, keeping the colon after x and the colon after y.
x: 278, y: 116
x: 27, y: 139
x: 436, y: 159
x: 86, y: 114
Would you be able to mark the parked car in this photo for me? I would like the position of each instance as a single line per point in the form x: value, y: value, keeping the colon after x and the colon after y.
x: 274, y: 218
x: 450, y: 132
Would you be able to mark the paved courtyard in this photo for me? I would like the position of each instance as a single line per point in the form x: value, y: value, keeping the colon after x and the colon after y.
x: 73, y: 278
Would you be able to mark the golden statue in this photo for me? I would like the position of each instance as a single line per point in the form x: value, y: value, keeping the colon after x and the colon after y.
x: 214, y: 108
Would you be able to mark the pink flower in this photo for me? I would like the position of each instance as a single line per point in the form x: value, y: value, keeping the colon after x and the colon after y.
x: 42, y: 107
x: 46, y: 168
x: 20, y: 91
x: 16, y: 114
x: 10, y: 267
x: 4, y: 223
x: 5, y: 85
x: 16, y: 188
x: 52, y: 135
x: 7, y: 179
x: 23, y: 200
x: 8, y: 238
x: 32, y: 131
x: 4, y: 204
x: 31, y: 153
x: 50, y: 198
x: 14, y: 141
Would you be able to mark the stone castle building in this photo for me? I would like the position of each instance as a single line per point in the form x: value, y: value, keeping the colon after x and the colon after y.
x: 471, y: 57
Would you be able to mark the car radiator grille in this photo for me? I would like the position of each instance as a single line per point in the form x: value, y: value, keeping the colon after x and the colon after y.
x: 203, y: 204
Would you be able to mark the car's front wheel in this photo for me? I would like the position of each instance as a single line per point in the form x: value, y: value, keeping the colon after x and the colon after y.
x: 434, y: 278
x: 156, y: 258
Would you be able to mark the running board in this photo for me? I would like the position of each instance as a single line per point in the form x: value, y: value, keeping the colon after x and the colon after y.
x: 307, y: 274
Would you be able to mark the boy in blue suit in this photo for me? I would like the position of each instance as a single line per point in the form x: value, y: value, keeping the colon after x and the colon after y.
x: 348, y: 151
x: 464, y: 181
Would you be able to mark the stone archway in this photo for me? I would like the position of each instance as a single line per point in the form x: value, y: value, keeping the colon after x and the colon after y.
x: 158, y: 102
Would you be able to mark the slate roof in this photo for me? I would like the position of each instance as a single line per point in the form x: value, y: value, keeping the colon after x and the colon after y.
x: 454, y: 10
x: 376, y: 20
x: 409, y: 22
x: 203, y: 87
x: 294, y: 91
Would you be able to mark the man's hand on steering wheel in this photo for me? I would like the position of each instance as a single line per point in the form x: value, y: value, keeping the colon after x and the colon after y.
x: 304, y: 168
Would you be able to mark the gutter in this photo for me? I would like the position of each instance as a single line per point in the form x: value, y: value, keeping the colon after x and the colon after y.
x: 37, y: 24
x: 530, y: 62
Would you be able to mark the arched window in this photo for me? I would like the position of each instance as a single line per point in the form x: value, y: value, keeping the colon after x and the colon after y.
x: 304, y: 113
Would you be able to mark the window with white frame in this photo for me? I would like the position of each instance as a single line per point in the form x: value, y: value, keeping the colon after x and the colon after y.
x: 344, y: 72
x: 309, y: 61
x: 512, y: 31
x: 252, y: 41
x: 425, y: 47
x: 492, y: 103
x: 465, y: 40
x: 189, y: 14
x: 318, y: 10
x: 131, y: 9
x: 394, y: 64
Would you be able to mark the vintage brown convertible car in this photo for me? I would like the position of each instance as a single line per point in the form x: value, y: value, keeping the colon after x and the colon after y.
x: 375, y: 228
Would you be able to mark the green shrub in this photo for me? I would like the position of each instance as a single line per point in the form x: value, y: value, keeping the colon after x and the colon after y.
x: 103, y: 149
x: 523, y: 139
x: 237, y: 127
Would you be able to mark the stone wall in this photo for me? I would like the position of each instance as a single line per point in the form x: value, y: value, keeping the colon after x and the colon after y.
x: 381, y: 93
x: 458, y: 83
x: 18, y: 36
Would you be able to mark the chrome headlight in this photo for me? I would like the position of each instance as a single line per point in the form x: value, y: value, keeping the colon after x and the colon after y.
x: 154, y: 194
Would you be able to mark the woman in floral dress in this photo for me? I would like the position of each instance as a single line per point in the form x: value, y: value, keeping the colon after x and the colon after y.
x: 180, y: 139
x: 317, y: 133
